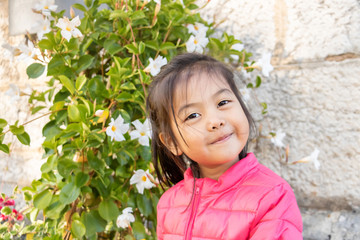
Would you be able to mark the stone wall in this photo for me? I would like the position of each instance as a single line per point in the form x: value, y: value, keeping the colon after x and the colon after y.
x: 313, y: 93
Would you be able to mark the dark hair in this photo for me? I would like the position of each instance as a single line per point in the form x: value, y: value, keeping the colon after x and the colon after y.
x: 170, y: 168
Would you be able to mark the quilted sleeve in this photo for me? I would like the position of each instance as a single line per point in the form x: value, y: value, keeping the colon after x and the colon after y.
x: 278, y: 216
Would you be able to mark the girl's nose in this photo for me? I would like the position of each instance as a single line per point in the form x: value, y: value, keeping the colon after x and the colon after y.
x: 215, y: 124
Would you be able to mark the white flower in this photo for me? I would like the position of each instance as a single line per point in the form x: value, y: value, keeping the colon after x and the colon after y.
x: 142, y: 132
x: 155, y: 65
x: 117, y: 128
x: 197, y: 43
x: 313, y: 157
x: 277, y: 139
x: 238, y: 47
x: 41, y: 27
x: 124, y: 220
x: 158, y: 1
x: 198, y: 28
x: 245, y: 94
x: 45, y: 7
x: 68, y: 28
x: 141, y: 180
x: 264, y: 63
x: 28, y: 53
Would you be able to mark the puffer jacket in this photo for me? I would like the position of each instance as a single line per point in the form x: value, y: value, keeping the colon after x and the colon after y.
x: 248, y: 201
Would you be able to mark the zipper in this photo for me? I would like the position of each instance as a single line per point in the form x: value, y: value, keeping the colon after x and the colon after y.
x: 194, y: 207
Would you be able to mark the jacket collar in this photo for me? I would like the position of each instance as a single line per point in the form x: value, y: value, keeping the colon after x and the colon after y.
x: 232, y: 176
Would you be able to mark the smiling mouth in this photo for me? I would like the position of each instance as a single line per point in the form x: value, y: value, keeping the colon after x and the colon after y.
x: 222, y: 139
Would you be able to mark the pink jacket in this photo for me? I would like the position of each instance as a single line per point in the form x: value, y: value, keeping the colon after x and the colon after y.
x: 248, y: 201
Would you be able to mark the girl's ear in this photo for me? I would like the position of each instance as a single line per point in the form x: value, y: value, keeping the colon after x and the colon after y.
x: 166, y: 140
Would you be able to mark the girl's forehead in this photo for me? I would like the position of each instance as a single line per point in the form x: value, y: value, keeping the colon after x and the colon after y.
x: 197, y: 85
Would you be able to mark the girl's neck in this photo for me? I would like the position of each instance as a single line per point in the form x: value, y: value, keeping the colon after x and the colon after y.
x: 214, y: 172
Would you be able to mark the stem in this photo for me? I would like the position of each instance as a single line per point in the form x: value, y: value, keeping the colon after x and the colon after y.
x: 35, y: 119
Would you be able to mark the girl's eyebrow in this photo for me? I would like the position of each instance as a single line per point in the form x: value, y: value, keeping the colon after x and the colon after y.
x: 188, y: 105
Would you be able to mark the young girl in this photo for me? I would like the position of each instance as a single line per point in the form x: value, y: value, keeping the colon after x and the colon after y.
x: 200, y: 130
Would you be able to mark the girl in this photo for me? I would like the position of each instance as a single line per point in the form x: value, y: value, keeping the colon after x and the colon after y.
x: 200, y: 130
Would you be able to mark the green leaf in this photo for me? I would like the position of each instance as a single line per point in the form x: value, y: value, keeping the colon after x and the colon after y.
x: 4, y: 148
x: 166, y: 46
x: 88, y: 3
x: 35, y: 70
x: 27, y: 196
x: 79, y: 6
x: 95, y: 163
x: 81, y: 179
x: 43, y: 199
x: 108, y: 210
x: 17, y: 130
x: 24, y: 138
x: 6, y: 211
x: 132, y: 48
x: 112, y: 46
x: 78, y: 228
x: 36, y: 109
x: 80, y: 81
x: 128, y: 86
x: 258, y: 81
x: 3, y: 123
x: 67, y: 83
x: 85, y: 62
x: 45, y: 44
x: 74, y: 113
x: 54, y: 209
x: 69, y: 193
x: 93, y: 222
x: 50, y: 130
x: 139, y: 230
x: 138, y: 15
x: 141, y: 47
x: 144, y: 205
x: 118, y: 14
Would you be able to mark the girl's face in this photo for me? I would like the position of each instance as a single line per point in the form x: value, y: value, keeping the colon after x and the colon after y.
x: 212, y: 123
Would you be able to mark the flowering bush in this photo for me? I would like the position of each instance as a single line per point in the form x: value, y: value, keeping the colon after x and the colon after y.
x: 96, y: 181
x: 9, y: 217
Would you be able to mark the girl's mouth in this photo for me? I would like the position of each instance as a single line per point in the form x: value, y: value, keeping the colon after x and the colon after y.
x: 222, y: 139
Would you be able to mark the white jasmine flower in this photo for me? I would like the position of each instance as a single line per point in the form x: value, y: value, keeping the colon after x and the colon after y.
x: 68, y: 28
x: 245, y: 94
x: 41, y: 27
x: 264, y: 63
x: 238, y: 47
x: 142, y: 132
x: 157, y: 1
x: 45, y: 7
x: 141, y: 180
x: 313, y: 157
x: 155, y: 65
x: 197, y: 28
x: 124, y: 219
x: 117, y: 128
x: 277, y: 139
x: 28, y: 53
x: 197, y: 43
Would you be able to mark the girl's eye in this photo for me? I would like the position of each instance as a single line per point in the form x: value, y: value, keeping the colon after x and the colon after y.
x: 192, y: 116
x: 223, y: 102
